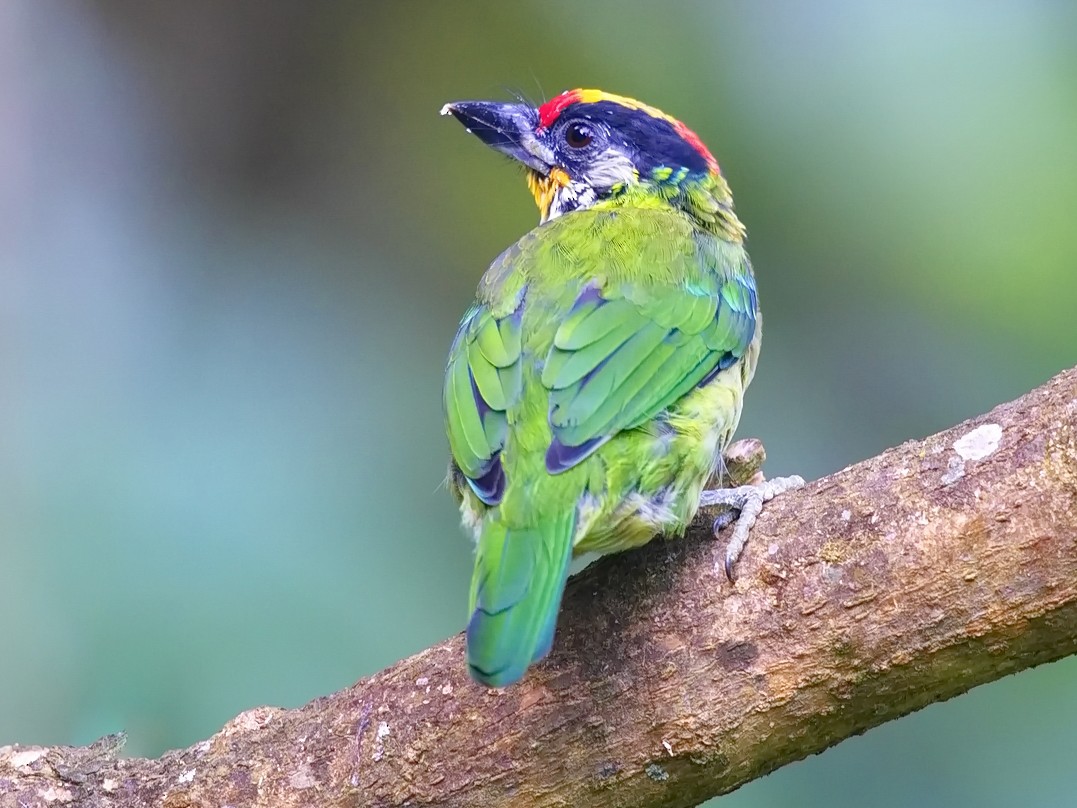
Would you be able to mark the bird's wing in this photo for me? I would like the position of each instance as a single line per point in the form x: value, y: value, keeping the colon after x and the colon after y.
x: 482, y: 379
x: 626, y: 352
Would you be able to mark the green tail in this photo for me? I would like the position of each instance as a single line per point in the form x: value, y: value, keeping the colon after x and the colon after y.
x: 515, y: 595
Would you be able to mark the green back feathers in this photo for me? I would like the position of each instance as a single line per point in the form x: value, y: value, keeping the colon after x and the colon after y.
x: 611, y: 348
x: 625, y: 353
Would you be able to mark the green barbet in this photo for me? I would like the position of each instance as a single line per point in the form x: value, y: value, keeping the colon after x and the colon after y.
x: 594, y: 383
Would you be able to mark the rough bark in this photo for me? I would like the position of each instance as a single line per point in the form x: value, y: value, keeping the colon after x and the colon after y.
x: 904, y: 580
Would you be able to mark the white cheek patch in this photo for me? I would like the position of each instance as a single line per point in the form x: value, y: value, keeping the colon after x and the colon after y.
x: 610, y: 168
x: 607, y: 170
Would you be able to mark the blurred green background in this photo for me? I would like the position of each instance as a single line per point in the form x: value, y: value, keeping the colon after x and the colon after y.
x: 235, y: 240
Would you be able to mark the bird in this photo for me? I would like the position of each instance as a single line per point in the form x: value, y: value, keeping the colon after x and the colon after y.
x: 599, y: 374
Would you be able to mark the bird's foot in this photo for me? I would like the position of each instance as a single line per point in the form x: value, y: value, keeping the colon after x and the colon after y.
x: 744, y: 503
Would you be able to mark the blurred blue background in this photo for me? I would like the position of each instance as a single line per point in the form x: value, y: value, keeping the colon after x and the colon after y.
x: 235, y: 240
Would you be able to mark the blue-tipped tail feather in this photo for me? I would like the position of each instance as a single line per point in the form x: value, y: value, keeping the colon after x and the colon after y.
x: 515, y: 595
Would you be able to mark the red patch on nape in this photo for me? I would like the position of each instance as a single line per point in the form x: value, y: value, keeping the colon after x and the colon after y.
x: 552, y: 109
x: 692, y: 139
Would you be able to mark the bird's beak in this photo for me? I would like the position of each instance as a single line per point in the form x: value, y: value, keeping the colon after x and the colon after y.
x: 509, y: 128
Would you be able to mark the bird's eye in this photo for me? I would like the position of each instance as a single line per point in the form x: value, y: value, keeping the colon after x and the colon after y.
x: 578, y: 135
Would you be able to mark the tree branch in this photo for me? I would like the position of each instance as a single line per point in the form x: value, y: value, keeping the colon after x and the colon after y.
x: 901, y: 581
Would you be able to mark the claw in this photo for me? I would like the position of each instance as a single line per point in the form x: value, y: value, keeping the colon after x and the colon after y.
x: 724, y: 520
x: 748, y: 501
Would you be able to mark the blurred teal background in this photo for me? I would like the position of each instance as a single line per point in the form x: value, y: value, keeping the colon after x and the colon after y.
x: 235, y: 240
